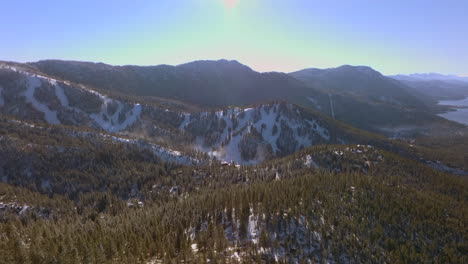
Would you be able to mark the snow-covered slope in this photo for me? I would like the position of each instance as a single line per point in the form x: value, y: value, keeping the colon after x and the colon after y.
x: 254, y: 134
x: 239, y: 135
x: 34, y: 82
x: 164, y: 153
x: 30, y: 95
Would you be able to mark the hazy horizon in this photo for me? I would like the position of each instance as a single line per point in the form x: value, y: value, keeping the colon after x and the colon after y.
x: 393, y: 38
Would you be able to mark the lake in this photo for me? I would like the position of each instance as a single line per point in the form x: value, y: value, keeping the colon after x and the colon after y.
x: 460, y: 115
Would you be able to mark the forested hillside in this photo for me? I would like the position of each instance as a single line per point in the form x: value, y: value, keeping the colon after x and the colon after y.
x: 243, y: 135
x: 76, y: 196
x: 327, y: 204
x: 100, y: 175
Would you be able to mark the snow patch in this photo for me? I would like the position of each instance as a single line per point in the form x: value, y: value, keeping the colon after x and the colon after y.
x: 112, y: 123
x: 315, y: 102
x: 61, y: 95
x: 6, y: 66
x: 49, y: 115
x: 165, y: 154
x: 194, y: 248
x: 253, y: 232
x: 310, y: 162
x: 24, y: 209
x: 185, y: 122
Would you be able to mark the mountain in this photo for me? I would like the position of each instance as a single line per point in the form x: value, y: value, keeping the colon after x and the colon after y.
x: 243, y: 135
x: 358, y: 96
x: 361, y: 82
x: 366, y: 99
x: 205, y: 83
x: 232, y: 134
x: 429, y: 77
x: 437, y: 86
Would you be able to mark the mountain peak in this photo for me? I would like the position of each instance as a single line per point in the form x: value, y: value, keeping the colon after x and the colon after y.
x: 358, y: 69
x: 340, y: 70
x: 216, y: 63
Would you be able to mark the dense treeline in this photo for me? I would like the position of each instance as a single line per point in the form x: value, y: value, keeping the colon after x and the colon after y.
x: 363, y: 219
x: 451, y: 150
x: 87, y: 199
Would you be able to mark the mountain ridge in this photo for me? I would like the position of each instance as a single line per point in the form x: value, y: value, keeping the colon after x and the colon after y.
x: 429, y: 76
x: 365, y: 103
x: 437, y: 86
x: 244, y: 135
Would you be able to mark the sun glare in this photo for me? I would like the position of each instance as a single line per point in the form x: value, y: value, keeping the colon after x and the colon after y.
x: 230, y: 3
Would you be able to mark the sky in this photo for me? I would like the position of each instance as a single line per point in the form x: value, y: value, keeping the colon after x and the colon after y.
x: 398, y: 36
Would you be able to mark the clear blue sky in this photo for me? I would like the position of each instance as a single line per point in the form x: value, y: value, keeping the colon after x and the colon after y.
x: 399, y: 36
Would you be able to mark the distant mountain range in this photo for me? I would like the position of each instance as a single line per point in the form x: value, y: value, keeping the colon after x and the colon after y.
x: 356, y: 95
x: 361, y: 82
x: 428, y: 77
x: 437, y: 86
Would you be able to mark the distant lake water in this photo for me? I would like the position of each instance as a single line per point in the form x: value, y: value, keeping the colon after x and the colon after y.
x: 460, y: 115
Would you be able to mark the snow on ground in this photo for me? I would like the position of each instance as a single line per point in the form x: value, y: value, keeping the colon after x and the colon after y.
x: 102, y: 119
x: 165, y: 154
x: 185, y: 122
x: 61, y: 95
x: 268, y: 118
x: 323, y: 132
x: 110, y: 124
x: 290, y: 232
x: 194, y: 248
x: 24, y: 124
x: 33, y: 83
x: 314, y: 101
x: 264, y: 119
x: 310, y: 162
x: 21, y: 209
x: 6, y: 66
x: 173, y: 155
x: 253, y: 232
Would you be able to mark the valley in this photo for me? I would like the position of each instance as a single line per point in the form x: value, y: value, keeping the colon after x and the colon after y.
x: 94, y: 173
